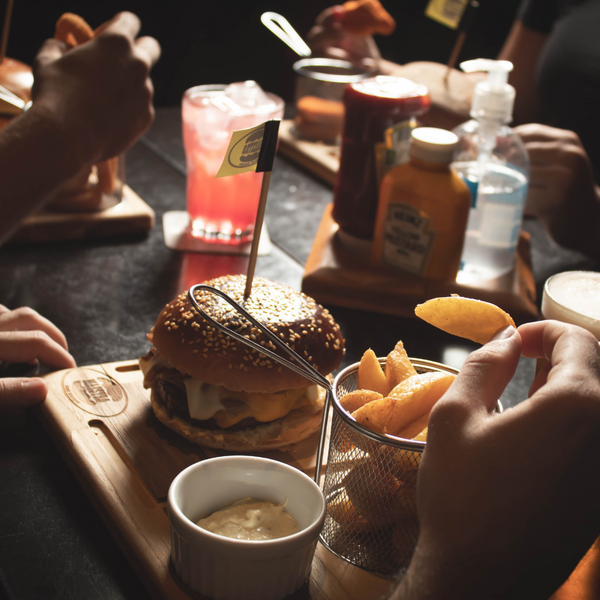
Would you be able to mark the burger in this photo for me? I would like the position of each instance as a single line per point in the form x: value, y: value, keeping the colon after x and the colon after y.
x: 220, y: 393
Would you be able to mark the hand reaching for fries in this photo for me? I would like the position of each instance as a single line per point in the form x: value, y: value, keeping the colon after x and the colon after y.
x: 508, y: 503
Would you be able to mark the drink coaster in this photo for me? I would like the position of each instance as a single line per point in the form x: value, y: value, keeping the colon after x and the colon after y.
x: 178, y: 237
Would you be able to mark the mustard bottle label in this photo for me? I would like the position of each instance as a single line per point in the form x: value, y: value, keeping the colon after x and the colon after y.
x: 407, y: 239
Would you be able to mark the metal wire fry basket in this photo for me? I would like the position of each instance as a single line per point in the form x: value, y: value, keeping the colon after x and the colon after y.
x: 370, y: 486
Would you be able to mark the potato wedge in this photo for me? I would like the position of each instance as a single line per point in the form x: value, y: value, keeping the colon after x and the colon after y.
x: 421, y: 437
x: 342, y: 511
x: 397, y: 367
x: 354, y: 400
x: 469, y: 318
x: 415, y: 398
x: 391, y: 502
x: 370, y: 375
x: 375, y: 415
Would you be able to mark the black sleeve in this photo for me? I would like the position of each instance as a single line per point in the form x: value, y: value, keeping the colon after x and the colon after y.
x: 538, y: 15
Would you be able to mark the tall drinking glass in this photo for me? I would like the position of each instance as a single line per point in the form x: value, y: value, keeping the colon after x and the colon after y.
x: 222, y: 210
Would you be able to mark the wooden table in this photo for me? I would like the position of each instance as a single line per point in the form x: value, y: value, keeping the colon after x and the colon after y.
x: 105, y: 295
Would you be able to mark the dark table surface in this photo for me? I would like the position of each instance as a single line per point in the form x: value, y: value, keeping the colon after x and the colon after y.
x: 105, y: 295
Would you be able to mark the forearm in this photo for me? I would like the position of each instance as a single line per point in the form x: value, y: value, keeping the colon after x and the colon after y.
x: 37, y: 155
x: 523, y: 47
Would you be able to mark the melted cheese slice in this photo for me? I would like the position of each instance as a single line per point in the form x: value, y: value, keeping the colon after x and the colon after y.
x: 207, y: 401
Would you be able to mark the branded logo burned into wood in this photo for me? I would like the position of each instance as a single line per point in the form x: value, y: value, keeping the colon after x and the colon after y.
x: 95, y: 392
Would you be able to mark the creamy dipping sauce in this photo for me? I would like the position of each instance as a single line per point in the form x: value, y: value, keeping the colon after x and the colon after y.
x: 251, y: 519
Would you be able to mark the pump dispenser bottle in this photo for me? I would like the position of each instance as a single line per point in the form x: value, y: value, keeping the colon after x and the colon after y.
x: 494, y: 164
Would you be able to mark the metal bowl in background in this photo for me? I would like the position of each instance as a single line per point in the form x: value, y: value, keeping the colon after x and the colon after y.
x: 319, y: 89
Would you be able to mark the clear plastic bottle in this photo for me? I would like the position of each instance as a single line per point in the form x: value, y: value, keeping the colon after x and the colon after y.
x: 493, y: 162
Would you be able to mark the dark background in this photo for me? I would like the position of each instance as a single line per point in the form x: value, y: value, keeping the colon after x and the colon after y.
x: 224, y: 41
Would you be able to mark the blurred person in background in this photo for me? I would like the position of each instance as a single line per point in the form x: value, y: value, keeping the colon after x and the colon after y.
x: 89, y: 104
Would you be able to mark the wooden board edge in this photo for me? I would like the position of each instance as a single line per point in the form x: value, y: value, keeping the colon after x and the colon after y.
x: 331, y: 276
x: 306, y: 154
x: 134, y: 217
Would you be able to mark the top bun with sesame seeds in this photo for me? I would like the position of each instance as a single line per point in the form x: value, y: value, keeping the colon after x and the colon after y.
x: 195, y: 347
x: 220, y: 393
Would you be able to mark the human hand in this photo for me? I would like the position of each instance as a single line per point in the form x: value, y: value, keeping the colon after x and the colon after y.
x: 562, y: 191
x: 345, y: 31
x: 508, y: 503
x: 26, y: 337
x: 99, y: 93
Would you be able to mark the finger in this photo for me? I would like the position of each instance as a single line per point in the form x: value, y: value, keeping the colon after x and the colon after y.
x: 544, y: 175
x: 544, y: 153
x: 50, y: 51
x: 148, y: 49
x: 542, y: 339
x: 21, y: 392
x: 486, y: 372
x: 125, y: 23
x: 573, y: 352
x: 570, y: 396
x: 28, y: 346
x: 27, y: 319
x: 541, y: 376
x: 3, y: 309
x: 543, y: 133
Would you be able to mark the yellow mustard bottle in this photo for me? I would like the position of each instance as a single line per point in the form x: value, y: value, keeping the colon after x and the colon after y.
x: 423, y: 210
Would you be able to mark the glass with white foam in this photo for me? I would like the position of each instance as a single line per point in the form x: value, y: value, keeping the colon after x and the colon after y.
x: 574, y: 297
x: 222, y: 210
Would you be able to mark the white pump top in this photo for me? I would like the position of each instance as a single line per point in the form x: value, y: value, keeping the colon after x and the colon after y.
x: 492, y: 99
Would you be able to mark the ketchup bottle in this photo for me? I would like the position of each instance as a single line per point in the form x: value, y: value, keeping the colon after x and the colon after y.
x: 374, y: 108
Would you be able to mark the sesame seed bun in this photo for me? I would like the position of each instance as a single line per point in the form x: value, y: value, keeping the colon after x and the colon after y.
x: 196, y: 348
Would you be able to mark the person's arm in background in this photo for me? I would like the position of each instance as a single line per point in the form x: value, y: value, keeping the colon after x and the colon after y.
x: 508, y: 503
x: 522, y: 48
x: 562, y: 193
x: 90, y: 104
x: 27, y: 337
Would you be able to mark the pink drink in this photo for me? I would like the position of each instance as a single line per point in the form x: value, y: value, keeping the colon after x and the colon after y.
x: 221, y: 210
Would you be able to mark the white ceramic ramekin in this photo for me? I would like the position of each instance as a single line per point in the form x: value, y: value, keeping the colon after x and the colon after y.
x: 228, y: 569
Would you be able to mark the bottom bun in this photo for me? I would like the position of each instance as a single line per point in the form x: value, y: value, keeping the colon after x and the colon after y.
x: 297, y: 425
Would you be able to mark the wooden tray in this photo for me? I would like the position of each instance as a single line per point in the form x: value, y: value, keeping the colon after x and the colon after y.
x: 323, y: 160
x: 131, y: 216
x: 334, y: 275
x: 125, y: 459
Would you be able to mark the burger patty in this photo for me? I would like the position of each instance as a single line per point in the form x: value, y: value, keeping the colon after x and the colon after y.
x: 175, y: 399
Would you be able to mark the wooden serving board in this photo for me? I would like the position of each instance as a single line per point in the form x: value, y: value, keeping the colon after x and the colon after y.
x: 336, y: 275
x: 131, y: 216
x: 101, y: 420
x: 323, y: 160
